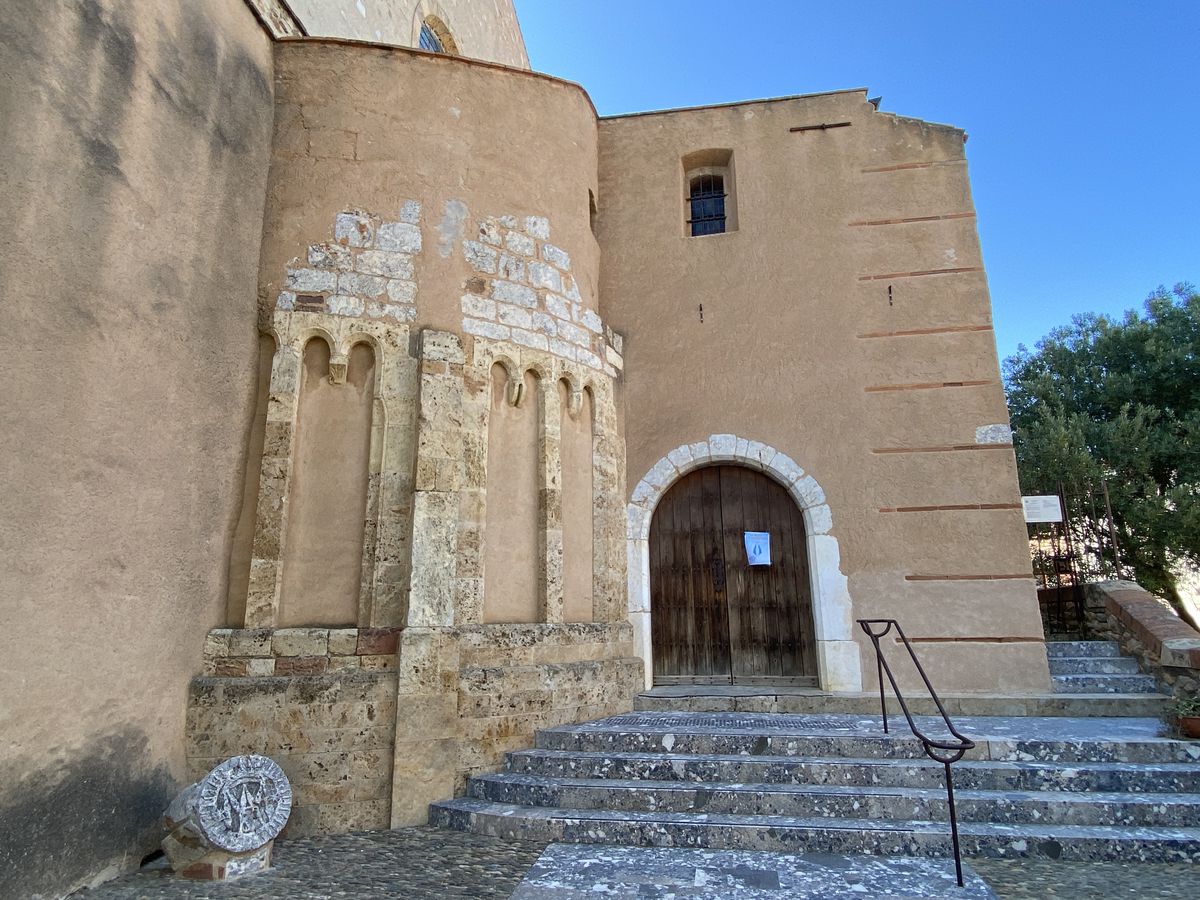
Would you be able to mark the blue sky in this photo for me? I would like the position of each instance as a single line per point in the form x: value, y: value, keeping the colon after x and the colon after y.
x: 1084, y: 117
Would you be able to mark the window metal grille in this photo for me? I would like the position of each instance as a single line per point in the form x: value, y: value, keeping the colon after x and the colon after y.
x: 429, y: 40
x: 707, y: 199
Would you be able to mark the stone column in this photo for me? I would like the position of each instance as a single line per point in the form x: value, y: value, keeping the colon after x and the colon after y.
x: 550, y: 528
x: 608, y: 491
x: 270, y: 529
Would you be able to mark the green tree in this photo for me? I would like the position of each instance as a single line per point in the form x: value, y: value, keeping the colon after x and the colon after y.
x: 1118, y: 402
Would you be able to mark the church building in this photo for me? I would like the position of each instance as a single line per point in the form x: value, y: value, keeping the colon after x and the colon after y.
x: 377, y: 403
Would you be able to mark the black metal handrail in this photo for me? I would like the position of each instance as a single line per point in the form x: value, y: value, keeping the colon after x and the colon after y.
x: 942, y: 751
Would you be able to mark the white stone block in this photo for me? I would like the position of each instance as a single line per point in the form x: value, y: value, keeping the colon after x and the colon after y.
x: 561, y: 348
x: 399, y: 236
x: 410, y: 212
x: 556, y: 256
x: 807, y: 490
x: 613, y: 358
x: 591, y: 321
x: 588, y: 358
x: 538, y: 227
x: 442, y: 346
x: 840, y: 666
x: 478, y: 307
x: 819, y: 519
x: 489, y: 233
x: 480, y: 257
x: 544, y: 276
x: 509, y: 292
x: 574, y: 334
x: 786, y: 468
x: 645, y: 494
x: 402, y: 313
x: 760, y: 453
x: 341, y: 305
x: 311, y: 281
x: 701, y: 452
x: 641, y: 644
x: 514, y: 315
x: 401, y: 291
x: 362, y: 285
x: 486, y: 329
x: 637, y: 523
x: 742, y: 449
x: 330, y: 256
x: 354, y: 228
x: 663, y: 473
x: 681, y: 457
x: 571, y: 288
x: 511, y: 267
x: 722, y: 446
x: 520, y: 243
x: 547, y: 325
x: 994, y: 434
x: 558, y: 306
x: 385, y: 263
x: 286, y: 300
x: 529, y: 339
x: 831, y: 595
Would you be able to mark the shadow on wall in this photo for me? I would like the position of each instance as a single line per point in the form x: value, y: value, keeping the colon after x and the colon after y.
x: 102, y: 799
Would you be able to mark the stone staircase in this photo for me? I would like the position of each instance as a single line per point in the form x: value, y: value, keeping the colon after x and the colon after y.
x: 1095, y: 667
x: 1077, y: 788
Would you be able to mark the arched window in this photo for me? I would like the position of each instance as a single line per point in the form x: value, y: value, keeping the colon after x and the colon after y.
x: 706, y: 197
x: 435, y: 37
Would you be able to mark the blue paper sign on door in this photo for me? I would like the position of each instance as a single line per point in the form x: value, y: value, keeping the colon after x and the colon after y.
x: 758, y: 548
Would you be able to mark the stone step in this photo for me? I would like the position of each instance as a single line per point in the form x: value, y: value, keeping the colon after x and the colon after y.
x: 840, y: 801
x: 861, y: 772
x: 1061, y: 740
x: 1092, y: 665
x: 820, y: 835
x: 739, y: 698
x: 1105, y: 684
x: 1082, y: 648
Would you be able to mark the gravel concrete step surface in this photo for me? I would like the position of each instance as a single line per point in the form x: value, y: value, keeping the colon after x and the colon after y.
x: 1058, y: 787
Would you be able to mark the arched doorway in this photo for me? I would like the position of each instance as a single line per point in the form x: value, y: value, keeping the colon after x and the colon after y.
x: 715, y: 618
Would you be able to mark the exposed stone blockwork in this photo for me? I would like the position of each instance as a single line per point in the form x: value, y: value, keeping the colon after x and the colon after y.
x: 367, y: 270
x: 331, y: 734
x: 524, y: 292
x: 1147, y: 628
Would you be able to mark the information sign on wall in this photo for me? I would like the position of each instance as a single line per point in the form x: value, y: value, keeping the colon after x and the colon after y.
x: 1042, y: 508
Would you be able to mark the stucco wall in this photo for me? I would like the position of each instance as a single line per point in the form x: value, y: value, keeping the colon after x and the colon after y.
x: 847, y: 324
x: 135, y: 171
x: 481, y: 29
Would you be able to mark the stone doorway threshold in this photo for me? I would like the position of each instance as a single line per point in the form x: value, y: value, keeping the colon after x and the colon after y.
x: 577, y: 871
x: 807, y: 700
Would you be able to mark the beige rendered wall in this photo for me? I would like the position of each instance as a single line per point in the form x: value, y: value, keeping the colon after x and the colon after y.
x: 847, y: 324
x: 481, y: 29
x: 134, y: 182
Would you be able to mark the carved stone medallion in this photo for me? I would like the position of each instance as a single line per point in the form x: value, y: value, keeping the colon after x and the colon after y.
x: 243, y: 803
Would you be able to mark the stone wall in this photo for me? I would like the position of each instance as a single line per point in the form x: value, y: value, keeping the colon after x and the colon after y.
x: 1146, y: 627
x: 469, y: 694
x: 331, y: 734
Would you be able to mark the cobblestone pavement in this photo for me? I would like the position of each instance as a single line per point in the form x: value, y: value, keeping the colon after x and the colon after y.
x: 1024, y: 879
x: 417, y: 863
x: 427, y: 863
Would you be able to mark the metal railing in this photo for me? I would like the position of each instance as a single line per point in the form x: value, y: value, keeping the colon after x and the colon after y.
x: 942, y: 751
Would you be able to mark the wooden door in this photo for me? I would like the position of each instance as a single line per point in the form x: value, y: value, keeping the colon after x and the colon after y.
x: 715, y: 618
